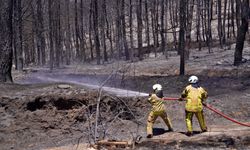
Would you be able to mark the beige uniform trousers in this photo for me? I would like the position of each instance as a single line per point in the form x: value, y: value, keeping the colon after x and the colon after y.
x: 153, y: 116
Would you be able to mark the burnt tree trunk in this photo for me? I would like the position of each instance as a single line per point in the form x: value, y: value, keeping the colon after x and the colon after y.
x: 40, y: 34
x: 198, y: 25
x: 6, y: 35
x: 166, y: 27
x: 96, y: 32
x: 241, y: 33
x: 147, y: 23
x: 190, y: 9
x: 131, y: 29
x: 183, y: 4
x: 77, y: 36
x: 224, y: 23
x: 68, y: 34
x: 220, y: 23
x: 90, y: 29
x: 139, y: 27
x: 163, y: 39
x: 172, y: 13
x: 103, y: 33
x: 58, y: 38
x: 118, y: 29
x: 123, y: 23
x: 82, y: 34
x: 18, y: 35
x: 51, y: 43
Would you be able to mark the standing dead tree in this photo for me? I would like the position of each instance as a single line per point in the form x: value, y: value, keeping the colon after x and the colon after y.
x: 58, y: 32
x: 139, y: 27
x: 96, y: 32
x: 17, y: 34
x: 183, y: 4
x: 6, y: 34
x: 241, y: 33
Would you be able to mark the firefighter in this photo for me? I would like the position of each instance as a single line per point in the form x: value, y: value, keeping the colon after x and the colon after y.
x: 158, y: 109
x: 195, y: 97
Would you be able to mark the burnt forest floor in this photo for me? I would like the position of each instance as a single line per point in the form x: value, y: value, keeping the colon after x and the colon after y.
x: 57, y: 110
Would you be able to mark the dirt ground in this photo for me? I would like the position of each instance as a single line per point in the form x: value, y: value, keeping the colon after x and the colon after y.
x: 55, y: 110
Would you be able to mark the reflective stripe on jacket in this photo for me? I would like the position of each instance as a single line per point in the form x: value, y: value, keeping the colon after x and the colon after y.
x: 194, y: 98
x: 157, y: 103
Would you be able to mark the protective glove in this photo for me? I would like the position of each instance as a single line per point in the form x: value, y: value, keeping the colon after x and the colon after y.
x: 204, y: 103
x: 180, y: 99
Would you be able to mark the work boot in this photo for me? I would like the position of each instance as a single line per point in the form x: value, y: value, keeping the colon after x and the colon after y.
x: 204, y: 130
x: 189, y: 133
x: 149, y: 135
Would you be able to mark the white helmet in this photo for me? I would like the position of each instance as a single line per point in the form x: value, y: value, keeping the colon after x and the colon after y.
x: 157, y: 87
x: 193, y: 79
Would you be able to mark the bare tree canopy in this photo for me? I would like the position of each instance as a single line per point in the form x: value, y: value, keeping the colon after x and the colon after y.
x: 57, y: 33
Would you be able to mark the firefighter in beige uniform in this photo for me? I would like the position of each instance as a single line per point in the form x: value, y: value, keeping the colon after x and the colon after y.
x: 195, y: 96
x: 158, y: 109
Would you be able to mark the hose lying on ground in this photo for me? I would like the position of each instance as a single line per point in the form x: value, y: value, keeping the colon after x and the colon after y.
x: 214, y: 110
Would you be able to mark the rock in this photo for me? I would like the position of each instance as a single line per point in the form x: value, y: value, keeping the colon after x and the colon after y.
x: 64, y: 86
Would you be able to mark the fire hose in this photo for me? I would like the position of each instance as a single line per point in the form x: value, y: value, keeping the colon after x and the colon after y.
x: 214, y: 110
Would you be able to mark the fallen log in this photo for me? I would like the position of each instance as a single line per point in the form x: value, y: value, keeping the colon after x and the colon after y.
x: 112, y: 143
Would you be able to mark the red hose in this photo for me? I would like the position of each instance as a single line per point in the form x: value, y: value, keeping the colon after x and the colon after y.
x: 223, y: 115
x: 214, y: 110
x: 170, y: 99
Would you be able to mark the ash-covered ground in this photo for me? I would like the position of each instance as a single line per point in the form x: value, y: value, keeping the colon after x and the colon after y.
x: 43, y: 115
x: 57, y: 110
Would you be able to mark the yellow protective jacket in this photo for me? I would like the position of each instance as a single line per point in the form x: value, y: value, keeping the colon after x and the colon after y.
x: 194, y: 98
x: 157, y: 103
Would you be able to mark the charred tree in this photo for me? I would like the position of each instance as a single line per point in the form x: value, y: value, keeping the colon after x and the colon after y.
x: 103, y: 33
x: 238, y: 12
x: 173, y: 22
x: 123, y: 23
x: 68, y: 34
x: 220, y: 23
x: 91, y: 29
x: 139, y: 27
x: 190, y: 8
x: 18, y: 35
x: 166, y: 27
x: 119, y: 44
x: 58, y: 37
x: 241, y: 33
x: 82, y: 34
x: 96, y: 32
x: 6, y: 35
x: 109, y: 33
x: 224, y: 23
x: 131, y: 29
x: 77, y: 36
x: 208, y: 5
x: 51, y: 43
x: 183, y: 4
x: 147, y: 23
x: 40, y: 34
x: 163, y: 39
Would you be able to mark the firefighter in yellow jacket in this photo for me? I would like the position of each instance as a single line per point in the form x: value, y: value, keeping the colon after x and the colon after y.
x: 158, y: 109
x: 195, y: 97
